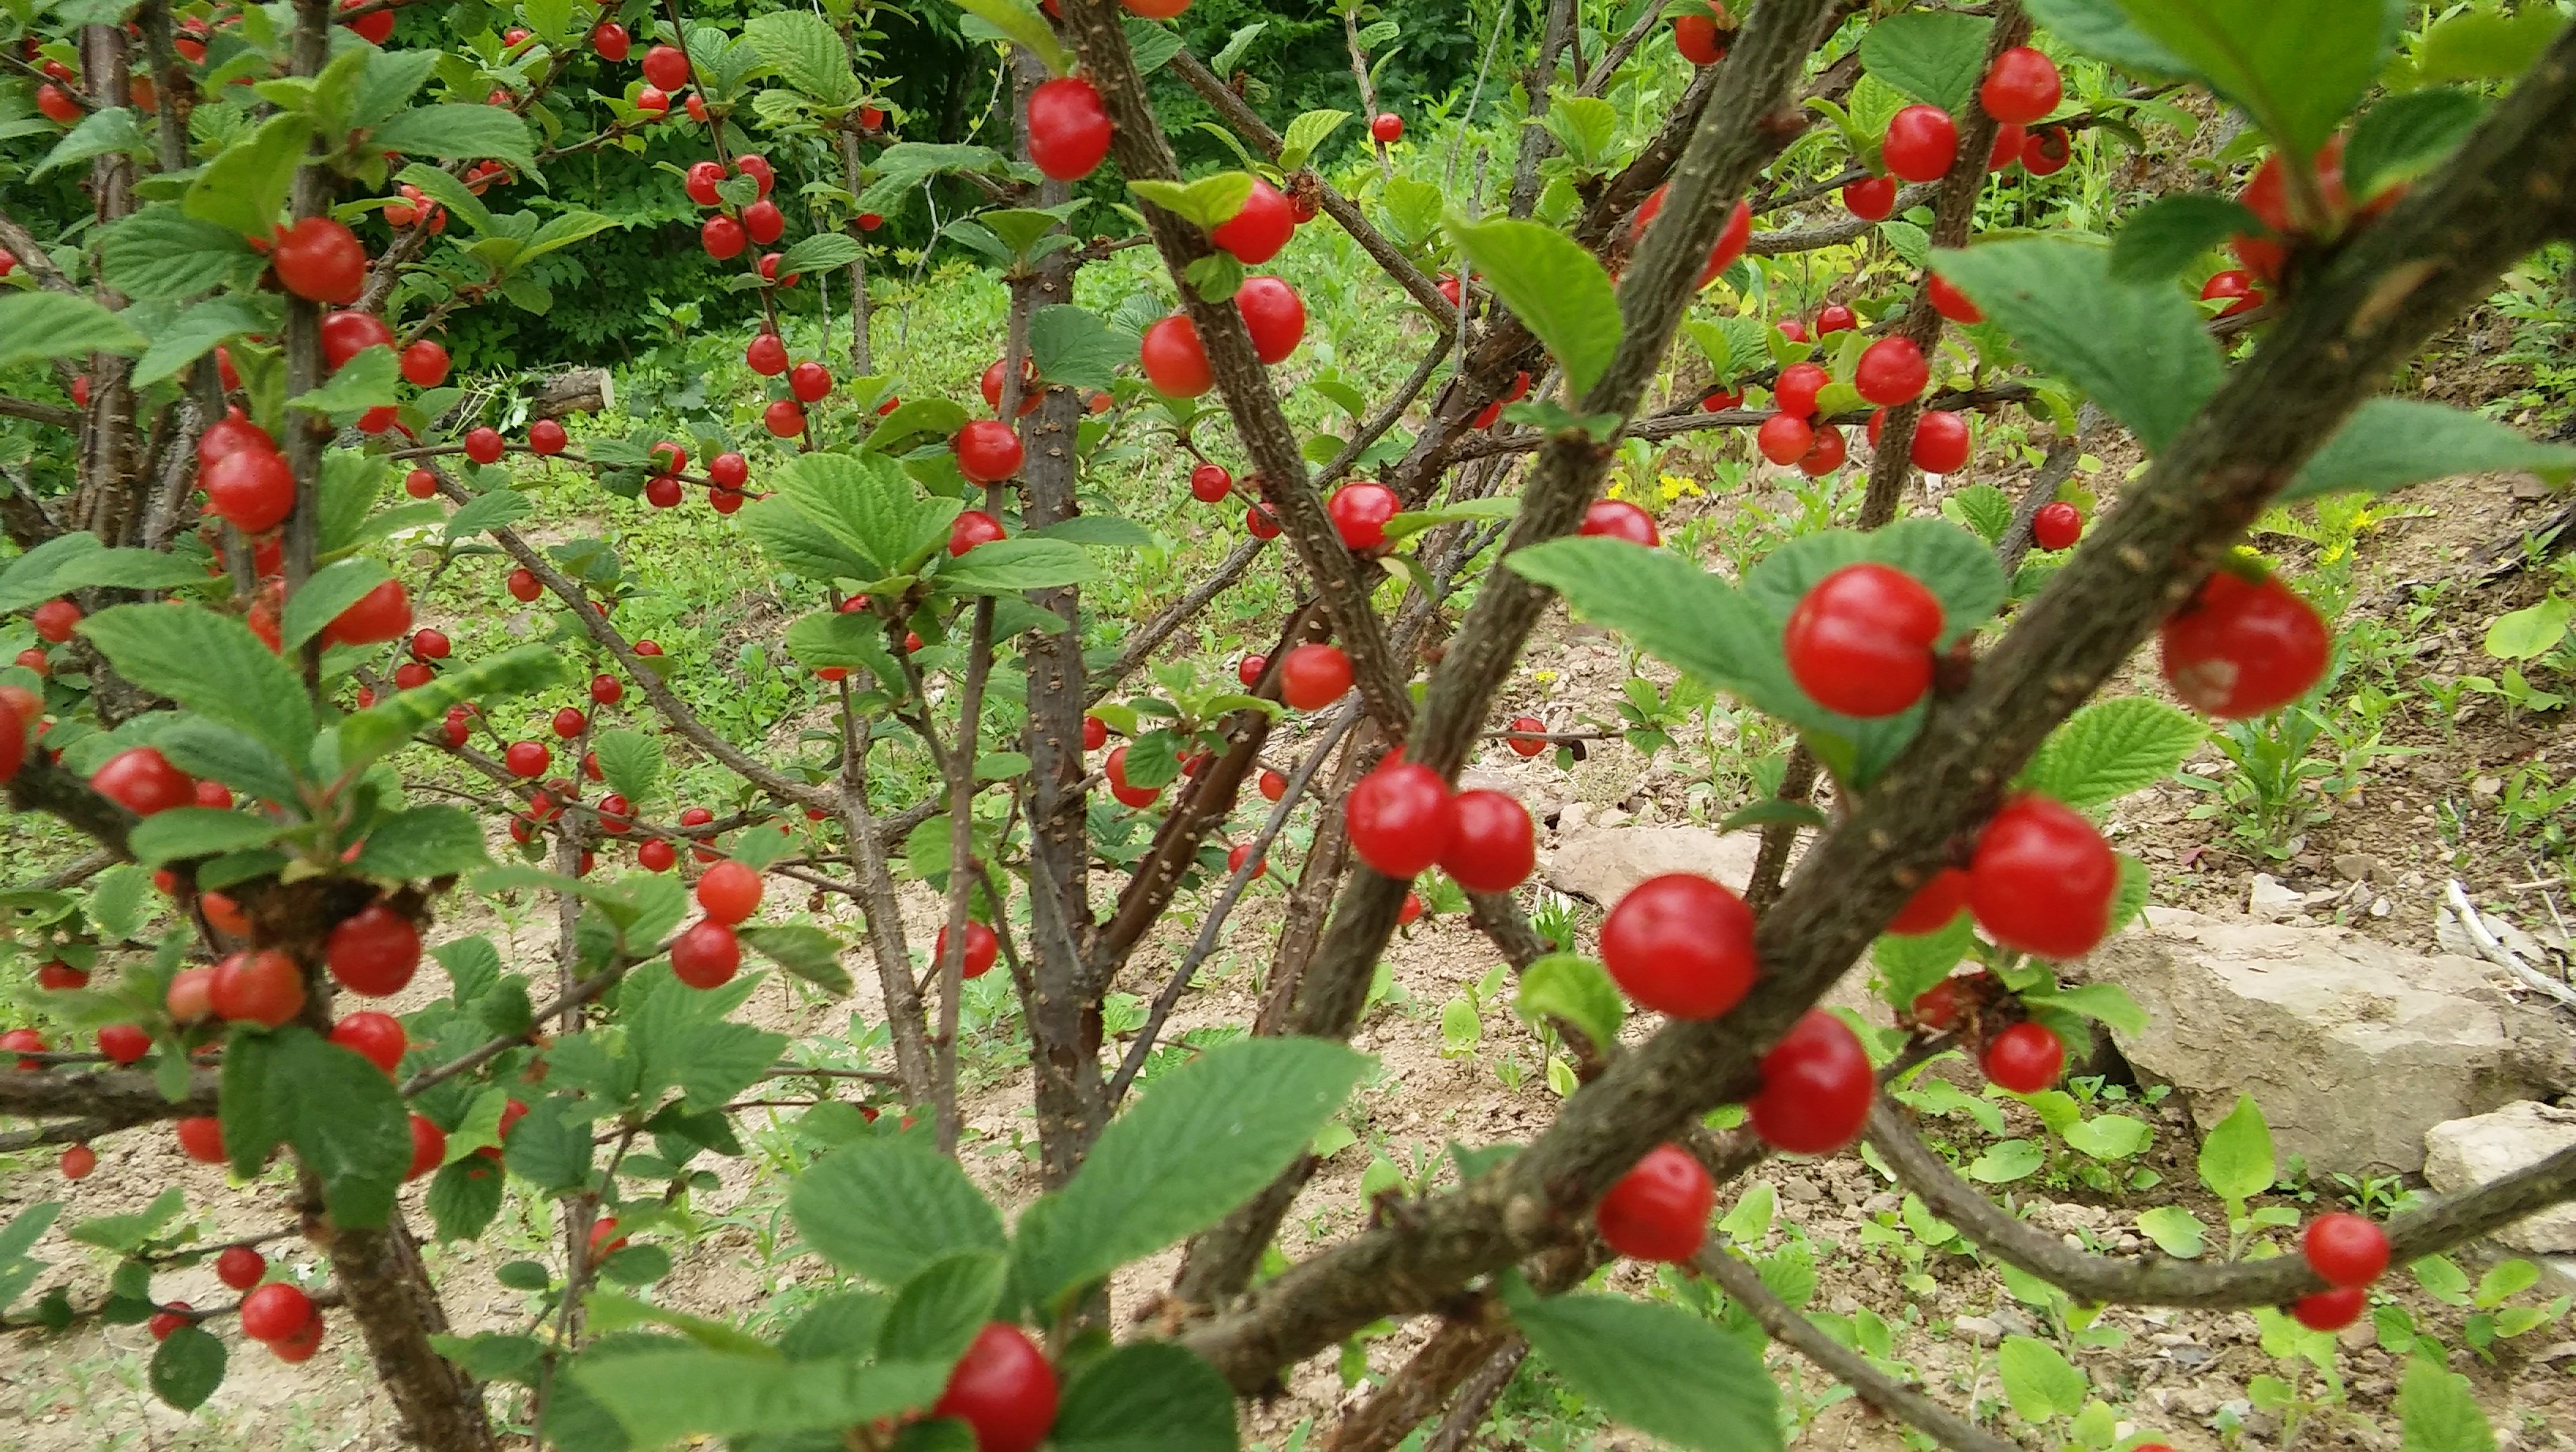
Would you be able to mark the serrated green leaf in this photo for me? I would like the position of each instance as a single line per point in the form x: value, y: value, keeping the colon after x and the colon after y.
x: 424, y: 842
x: 2112, y: 748
x: 1931, y: 55
x: 1576, y: 989
x: 386, y: 725
x: 886, y: 1209
x: 1663, y: 1370
x: 199, y: 832
x: 36, y: 326
x: 1310, y: 130
x: 1146, y: 1396
x: 459, y: 132
x: 366, y: 381
x: 1209, y: 202
x: 212, y: 665
x: 1075, y: 347
x: 1556, y: 288
x: 2236, y: 1155
x: 2296, y: 66
x: 2437, y: 1412
x: 244, y: 187
x: 806, y: 951
x: 108, y: 129
x: 187, y: 1367
x: 2389, y: 443
x: 2041, y: 1384
x: 2162, y: 238
x: 1020, y: 20
x: 660, y: 1396
x: 1007, y: 566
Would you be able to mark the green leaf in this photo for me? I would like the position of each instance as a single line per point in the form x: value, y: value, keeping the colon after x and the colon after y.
x: 821, y: 251
x: 127, y: 1233
x: 199, y: 832
x: 1656, y: 1367
x: 36, y: 326
x: 1075, y: 347
x: 2296, y: 66
x: 459, y: 132
x: 444, y: 189
x: 2109, y: 1136
x: 494, y: 509
x: 661, y: 1396
x: 550, y: 1145
x: 388, y: 724
x: 1910, y: 963
x: 364, y: 382
x: 936, y: 416
x: 1209, y: 202
x: 807, y: 54
x: 804, y: 950
x: 940, y: 1309
x: 904, y: 166
x: 2097, y: 28
x: 99, y: 132
x: 2392, y: 442
x: 2481, y: 45
x: 187, y: 1367
x: 1556, y: 288
x: 2005, y: 1161
x: 2436, y: 1412
x: 424, y: 842
x: 203, y: 749
x: 2236, y: 1154
x: 1931, y: 55
x: 2111, y: 748
x: 197, y: 332
x: 332, y: 589
x: 161, y: 254
x: 1097, y: 531
x: 2162, y: 238
x: 349, y: 1125
x: 1576, y: 989
x: 464, y: 1198
x: 1005, y: 566
x: 2106, y: 1003
x: 1208, y: 1135
x: 2176, y: 1231
x: 1297, y: 145
x: 2531, y: 632
x: 1146, y: 1396
x: 212, y: 665
x: 886, y: 1209
x: 631, y: 763
x: 1020, y: 20
x: 2402, y: 137
x: 1153, y: 46
x: 2041, y: 1384
x: 244, y: 188
x: 2137, y: 348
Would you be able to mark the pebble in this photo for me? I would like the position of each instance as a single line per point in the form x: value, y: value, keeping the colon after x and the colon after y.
x: 1983, y: 1330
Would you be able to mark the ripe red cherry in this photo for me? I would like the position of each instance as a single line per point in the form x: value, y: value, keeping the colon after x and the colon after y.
x: 1681, y: 945
x: 2021, y: 86
x: 1860, y: 641
x: 701, y: 180
x: 1696, y: 36
x: 545, y: 436
x: 972, y: 528
x: 2057, y: 526
x: 1387, y: 128
x: 1731, y: 242
x: 2025, y: 1058
x: 55, y: 619
x: 2006, y: 149
x: 1173, y: 360
x: 1532, y: 725
x: 2046, y: 150
x: 24, y: 1040
x: 190, y: 997
x: 142, y: 780
x: 756, y: 166
x: 762, y: 221
x: 1940, y: 442
x: 1891, y: 371
x: 61, y: 977
x: 1314, y: 676
x: 1619, y: 519
x: 1115, y: 768
x: 1239, y: 854
x: 1827, y: 453
x: 729, y: 892
x: 1494, y: 846
x: 240, y: 1267
x: 2331, y: 1310
x: 568, y: 722
x: 655, y: 855
x: 1795, y: 391
x: 1816, y: 1088
x: 1921, y: 143
x: 263, y: 987
x: 229, y: 434
x: 1210, y: 483
x: 275, y: 1311
x: 723, y: 238
x: 320, y: 259
x: 981, y: 945
x: 604, y: 1239
x: 1248, y: 670
x: 2237, y: 286
x: 299, y: 1348
x: 58, y: 105
x: 1784, y: 438
x: 1937, y: 1008
x: 988, y: 451
x: 222, y: 913
x: 201, y: 1138
x: 784, y: 418
x: 428, y: 1147
x: 1273, y: 314
x: 1835, y: 318
x: 707, y: 955
x: 524, y: 587
x: 2345, y: 1250
x: 378, y: 1037
x: 1004, y: 1389
x: 611, y: 40
x: 667, y: 66
x: 347, y: 332
x: 1949, y: 302
x: 662, y: 491
x: 1068, y: 128
x: 1360, y: 511
x: 483, y: 444
x: 2042, y: 879
x: 1273, y: 785
x: 653, y: 101
x: 1095, y: 733
x: 173, y: 1316
x: 766, y: 355
x: 1934, y: 904
x: 728, y: 470
x: 250, y: 488
x: 1256, y: 233
x: 2243, y: 649
x: 1260, y: 523
x: 1872, y: 199
x: 1659, y: 1209
x: 124, y: 1043
x: 78, y: 1161
x: 381, y: 614
x: 1401, y: 818
x: 373, y: 951
x: 1032, y: 391
x: 420, y: 484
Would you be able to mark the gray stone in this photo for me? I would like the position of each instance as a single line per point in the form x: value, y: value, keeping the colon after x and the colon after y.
x: 2353, y: 1048
x: 1980, y: 1329
x: 2268, y: 898
x: 2464, y: 1153
x: 1601, y: 862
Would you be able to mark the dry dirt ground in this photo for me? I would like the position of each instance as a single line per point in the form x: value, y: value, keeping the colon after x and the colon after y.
x: 2179, y: 1375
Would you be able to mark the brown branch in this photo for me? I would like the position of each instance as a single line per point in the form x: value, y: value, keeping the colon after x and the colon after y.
x: 50, y: 414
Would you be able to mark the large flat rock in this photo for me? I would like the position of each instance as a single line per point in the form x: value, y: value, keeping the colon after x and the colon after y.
x: 1602, y: 863
x: 2353, y: 1048
x: 2462, y: 1154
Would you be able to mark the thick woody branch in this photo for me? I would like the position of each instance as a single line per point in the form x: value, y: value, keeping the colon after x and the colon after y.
x: 51, y: 415
x: 114, y: 1098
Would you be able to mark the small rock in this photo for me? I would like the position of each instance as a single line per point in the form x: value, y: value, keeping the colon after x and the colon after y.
x: 2461, y: 1153
x: 1885, y: 1202
x: 1981, y: 1330
x: 2358, y: 1335
x: 2014, y: 1322
x: 2361, y: 867
x: 1598, y: 859
x: 2529, y: 488
x: 1801, y: 1189
x: 2268, y: 899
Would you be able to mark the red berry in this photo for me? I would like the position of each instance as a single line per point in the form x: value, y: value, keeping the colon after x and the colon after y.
x: 1698, y: 39
x: 1940, y: 442
x: 1068, y: 128
x: 1798, y: 385
x: 971, y: 528
x: 1921, y: 143
x: 299, y: 1348
x: 61, y: 977
x: 701, y: 180
x: 1619, y: 519
x: 347, y: 332
x: 722, y: 237
x: 428, y: 1147
x: 1413, y: 908
x: 2042, y: 879
x: 2046, y: 150
x: 988, y: 451
x: 1681, y: 945
x: 653, y: 101
x: 2331, y: 1310
x: 1386, y: 128
x: 1173, y: 360
x: 430, y: 644
x: 1494, y: 846
x: 1526, y: 746
x: 2057, y: 526
x: 275, y: 1311
x: 2021, y: 86
x: 1872, y: 199
x: 1949, y: 302
x: 662, y: 491
x: 142, y: 780
x: 240, y: 1267
x: 381, y: 614
x: 124, y: 1043
x: 1937, y: 1007
x: 762, y: 221
x: 1891, y: 371
x: 1248, y: 670
x: 1314, y: 676
x: 667, y: 66
x: 767, y: 354
x: 1860, y: 641
x: 1273, y: 785
x: 484, y: 445
x: 810, y: 382
x: 320, y: 259
x: 373, y: 951
x: 1659, y: 1209
x: 78, y: 1161
x: 424, y: 364
x: 377, y: 1037
x: 1260, y: 523
x: 1115, y: 768
x: 1400, y: 818
x: 202, y: 1138
x: 191, y: 994
x: 729, y: 892
x: 524, y: 587
x: 1730, y: 243
x: 58, y: 105
x: 230, y: 434
x: 610, y: 39
x: 263, y: 987
x: 2345, y: 1250
x: 1360, y: 511
x: 2242, y: 648
x: 604, y: 1239
x: 2237, y: 286
x: 1934, y: 904
x: 1004, y: 1389
x: 784, y: 418
x: 173, y: 1316
x: 755, y: 166
x: 1826, y: 454
x: 1255, y: 234
x: 2006, y: 149
x: 655, y: 855
x: 981, y: 945
x: 376, y: 26
x: 1816, y: 1088
x: 545, y: 436
x: 2025, y: 1058
x: 1784, y: 438
x: 729, y: 470
x: 707, y: 955
x: 1210, y: 483
x: 250, y: 489
x: 1273, y: 314
x: 1095, y: 733
x: 24, y: 1040
x: 55, y: 620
